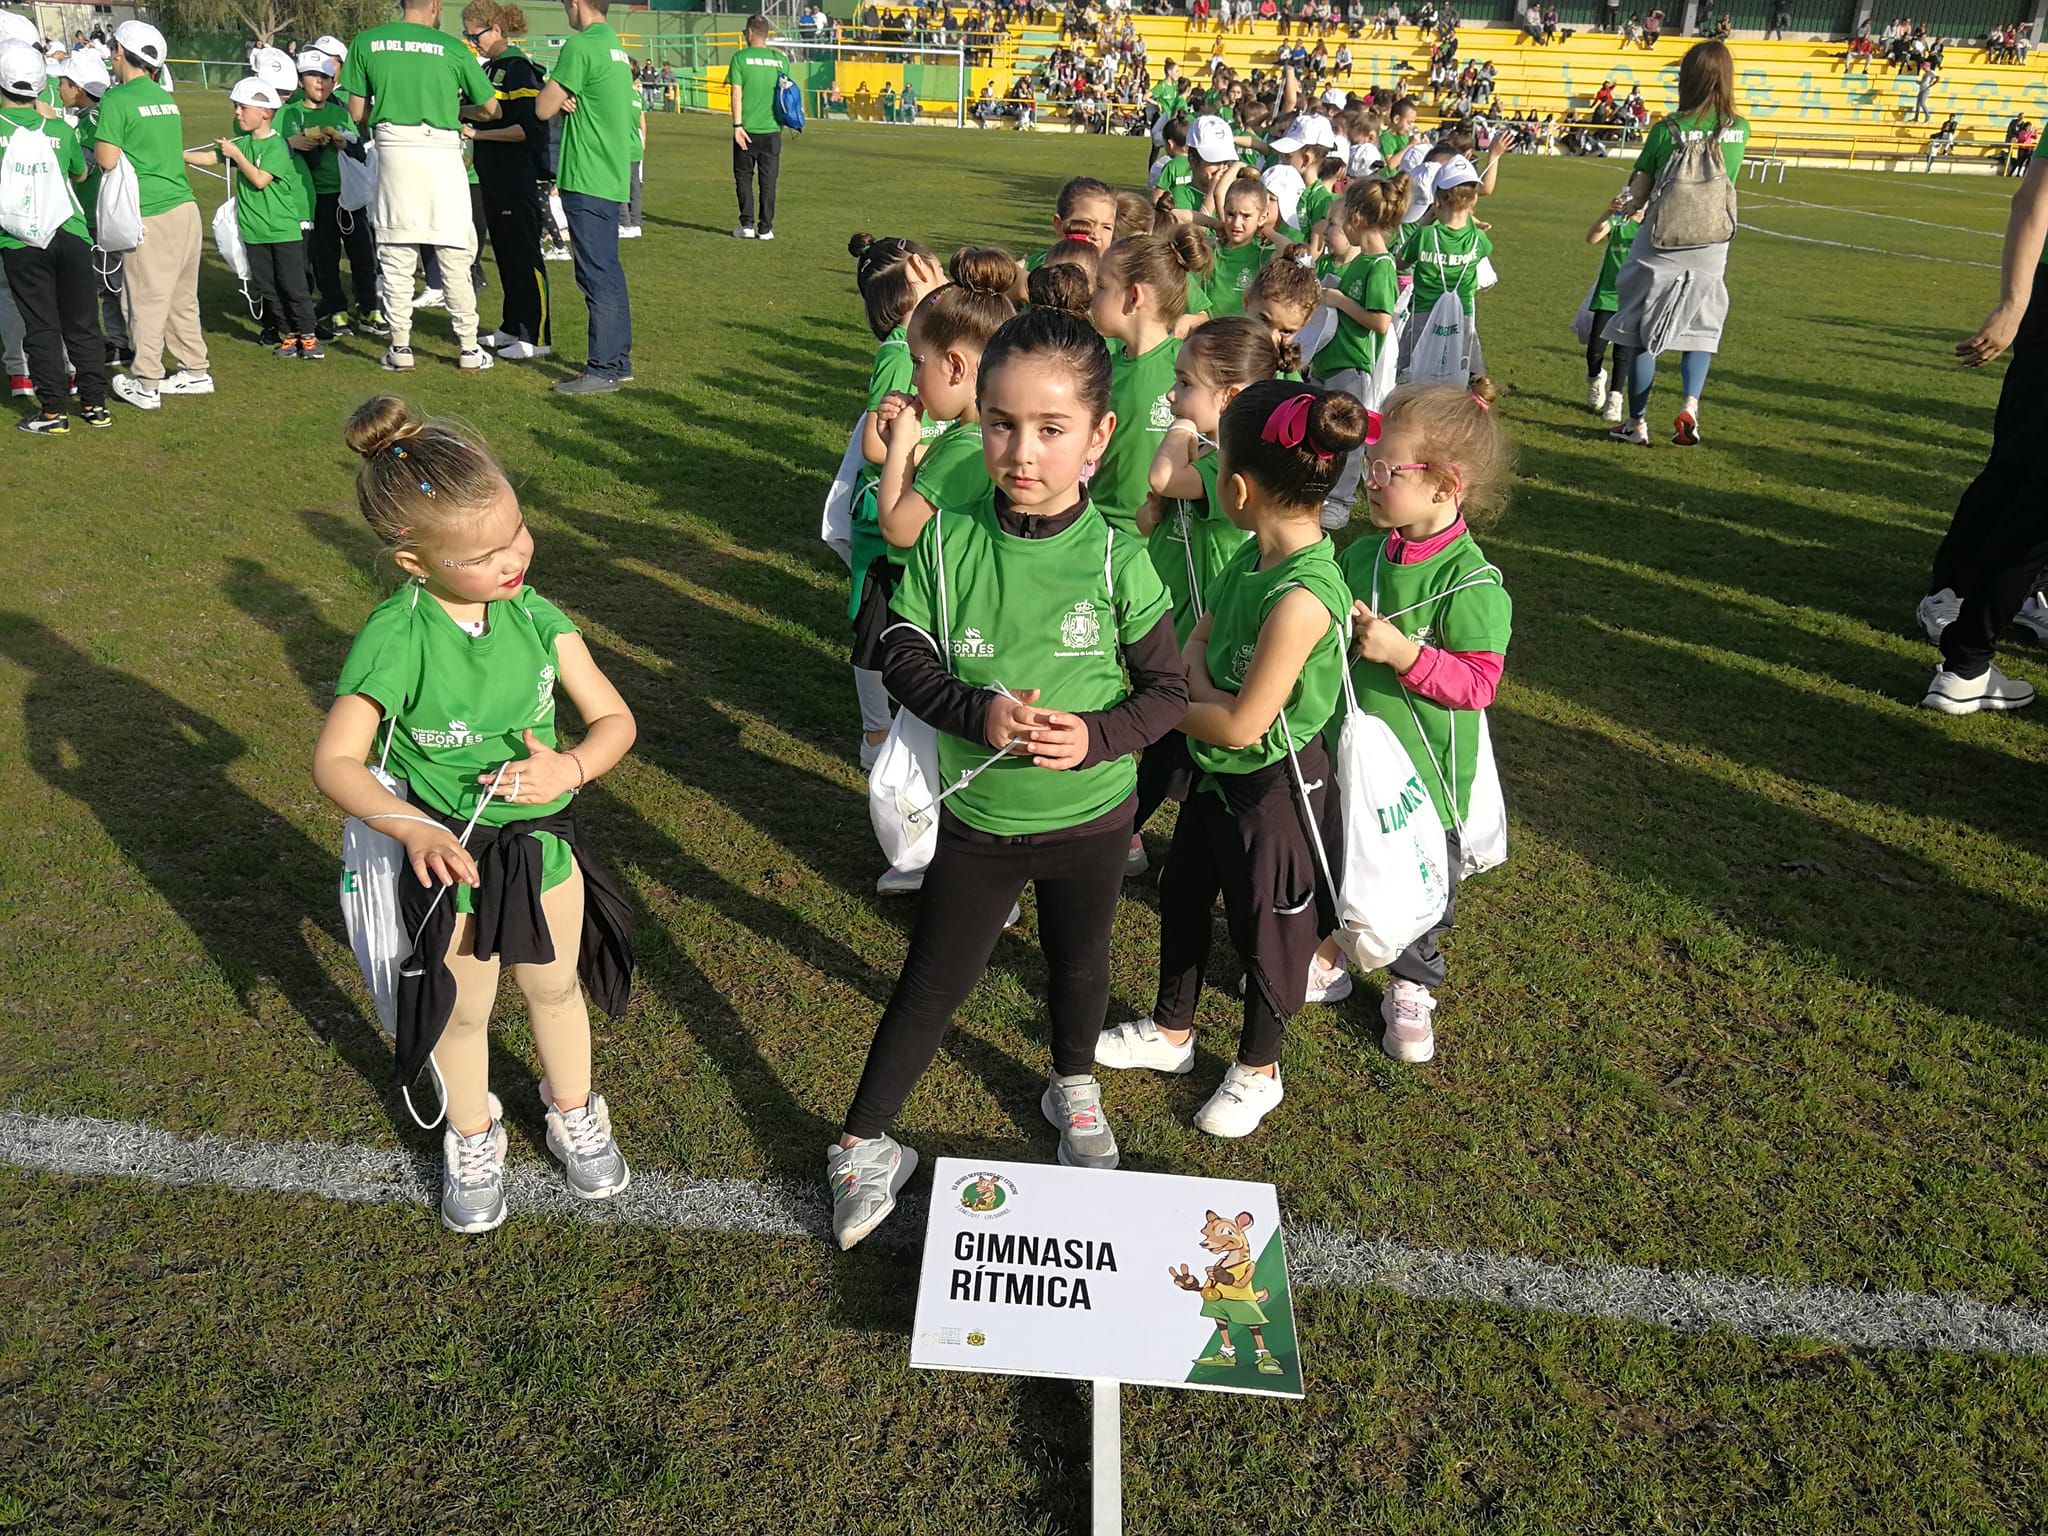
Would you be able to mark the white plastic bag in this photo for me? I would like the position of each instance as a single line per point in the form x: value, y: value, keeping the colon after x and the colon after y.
x: 227, y: 234
x: 1443, y: 352
x: 35, y: 195
x: 118, y: 221
x: 1393, y: 886
x: 1483, y: 833
x: 836, y: 526
x: 358, y: 179
x: 372, y: 863
x: 903, y: 793
x: 1321, y: 326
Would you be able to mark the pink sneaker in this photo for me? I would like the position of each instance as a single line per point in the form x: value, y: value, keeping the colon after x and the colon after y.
x: 1407, y: 1009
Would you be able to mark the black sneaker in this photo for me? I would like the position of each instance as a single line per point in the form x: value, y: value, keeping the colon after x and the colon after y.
x: 373, y: 324
x: 333, y: 328
x: 46, y: 426
x: 268, y: 337
x: 95, y: 416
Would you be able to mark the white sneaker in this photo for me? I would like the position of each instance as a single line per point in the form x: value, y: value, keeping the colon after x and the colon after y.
x: 1137, y: 861
x: 1140, y: 1044
x: 1954, y: 695
x: 494, y: 340
x: 2033, y: 617
x: 144, y: 397
x: 1617, y: 408
x: 186, y: 382
x: 1596, y: 391
x: 766, y: 234
x: 1634, y: 433
x: 473, y: 1176
x: 397, y: 360
x: 1335, y: 517
x: 557, y: 253
x: 431, y: 298
x: 1408, y: 1011
x: 1239, y: 1103
x: 522, y: 352
x: 745, y: 232
x: 629, y: 232
x: 475, y: 360
x: 1937, y: 611
x: 1327, y: 984
x: 899, y: 882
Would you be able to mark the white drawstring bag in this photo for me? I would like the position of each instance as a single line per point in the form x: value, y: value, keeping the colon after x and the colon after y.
x: 358, y: 179
x: 372, y: 863
x: 117, y: 220
x: 1321, y: 326
x: 1445, y: 345
x: 836, y: 526
x: 35, y: 195
x: 227, y: 235
x: 1392, y: 888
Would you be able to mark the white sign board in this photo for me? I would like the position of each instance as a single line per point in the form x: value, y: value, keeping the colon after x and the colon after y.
x: 1038, y: 1270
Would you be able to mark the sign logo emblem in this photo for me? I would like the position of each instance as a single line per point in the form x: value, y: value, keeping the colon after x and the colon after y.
x: 985, y: 1194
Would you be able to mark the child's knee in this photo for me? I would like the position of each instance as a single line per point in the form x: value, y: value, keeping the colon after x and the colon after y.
x: 550, y: 988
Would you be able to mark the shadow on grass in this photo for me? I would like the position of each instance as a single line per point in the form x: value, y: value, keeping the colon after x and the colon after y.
x: 159, y: 778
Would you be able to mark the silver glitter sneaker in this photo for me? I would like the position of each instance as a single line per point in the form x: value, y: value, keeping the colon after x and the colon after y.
x: 473, y: 1176
x: 581, y: 1140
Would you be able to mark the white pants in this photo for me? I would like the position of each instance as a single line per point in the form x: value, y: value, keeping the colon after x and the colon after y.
x: 423, y: 200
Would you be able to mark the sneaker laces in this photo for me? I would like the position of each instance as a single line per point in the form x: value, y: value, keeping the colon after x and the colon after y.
x: 584, y: 1132
x: 476, y: 1158
x: 1411, y: 1009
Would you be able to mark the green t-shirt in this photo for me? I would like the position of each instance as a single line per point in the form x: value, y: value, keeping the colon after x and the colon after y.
x: 1621, y: 239
x: 272, y: 215
x: 414, y: 75
x: 1315, y: 202
x: 1243, y: 597
x: 462, y: 703
x: 600, y: 136
x: 1236, y: 266
x: 88, y: 130
x: 1176, y: 176
x: 754, y: 71
x: 1138, y: 387
x: 1444, y: 260
x: 1171, y: 98
x: 1190, y: 547
x: 1666, y: 133
x: 322, y: 166
x: 1480, y: 618
x: 953, y: 473
x: 1392, y: 142
x: 142, y: 121
x: 889, y: 375
x: 64, y: 143
x: 1049, y: 614
x: 1372, y: 280
x: 639, y: 123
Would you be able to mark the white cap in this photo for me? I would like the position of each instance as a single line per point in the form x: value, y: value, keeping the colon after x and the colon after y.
x: 17, y: 28
x: 313, y: 62
x: 1209, y: 140
x: 274, y: 67
x: 1287, y: 187
x: 1336, y: 98
x: 87, y: 71
x: 1456, y: 172
x: 1366, y: 160
x: 22, y: 70
x: 142, y: 40
x: 1293, y: 139
x: 252, y: 92
x: 1421, y: 189
x: 333, y: 47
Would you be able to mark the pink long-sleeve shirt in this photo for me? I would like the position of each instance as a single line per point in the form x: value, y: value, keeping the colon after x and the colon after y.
x: 1454, y: 679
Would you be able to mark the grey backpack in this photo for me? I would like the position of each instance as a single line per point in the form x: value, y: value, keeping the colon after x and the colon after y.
x: 1693, y: 202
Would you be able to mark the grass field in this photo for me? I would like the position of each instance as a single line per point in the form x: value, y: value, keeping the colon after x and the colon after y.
x: 1760, y: 993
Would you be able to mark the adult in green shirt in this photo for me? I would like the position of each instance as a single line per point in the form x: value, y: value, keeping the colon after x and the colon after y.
x: 593, y: 85
x: 411, y: 86
x: 54, y: 288
x: 1170, y: 94
x: 1677, y: 300
x: 756, y: 135
x: 320, y: 131
x: 139, y: 122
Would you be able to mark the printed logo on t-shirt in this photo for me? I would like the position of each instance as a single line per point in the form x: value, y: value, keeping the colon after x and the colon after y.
x: 458, y: 734
x: 1241, y: 663
x: 1080, y: 629
x: 405, y: 45
x: 1162, y: 414
x: 544, y: 706
x: 971, y: 644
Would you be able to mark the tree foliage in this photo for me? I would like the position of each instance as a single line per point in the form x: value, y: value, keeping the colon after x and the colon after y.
x: 264, y: 22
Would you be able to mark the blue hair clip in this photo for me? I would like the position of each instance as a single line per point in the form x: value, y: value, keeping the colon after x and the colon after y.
x: 398, y: 449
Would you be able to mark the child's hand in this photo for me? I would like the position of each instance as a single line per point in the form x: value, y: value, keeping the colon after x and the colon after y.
x: 1381, y: 640
x: 435, y: 853
x: 903, y: 427
x: 1009, y: 719
x: 1058, y: 740
x: 541, y: 776
x: 894, y: 404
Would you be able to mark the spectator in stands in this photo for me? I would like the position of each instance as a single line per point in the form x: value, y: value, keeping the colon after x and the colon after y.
x: 1920, y: 112
x: 1532, y: 25
x: 1781, y: 18
x: 2023, y: 147
x: 1944, y: 141
x: 1549, y: 24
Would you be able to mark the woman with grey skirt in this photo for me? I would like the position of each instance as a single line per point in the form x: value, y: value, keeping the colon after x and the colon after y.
x: 1675, y: 298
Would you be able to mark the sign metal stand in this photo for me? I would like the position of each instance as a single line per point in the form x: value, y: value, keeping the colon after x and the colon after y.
x: 1106, y: 1466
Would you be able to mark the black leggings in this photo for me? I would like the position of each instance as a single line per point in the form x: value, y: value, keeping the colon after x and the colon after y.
x: 1596, y: 350
x: 968, y: 891
x: 1255, y: 850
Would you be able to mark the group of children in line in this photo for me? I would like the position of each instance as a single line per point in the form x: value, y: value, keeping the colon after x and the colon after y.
x: 1092, y: 550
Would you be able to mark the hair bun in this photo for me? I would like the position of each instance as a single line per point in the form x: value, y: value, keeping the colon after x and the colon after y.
x: 1482, y: 391
x: 1290, y: 355
x: 857, y: 244
x: 983, y: 271
x: 378, y: 423
x: 1063, y: 287
x: 1337, y: 423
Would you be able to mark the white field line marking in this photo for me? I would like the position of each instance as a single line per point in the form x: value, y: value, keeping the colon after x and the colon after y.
x: 1319, y: 1257
x: 1869, y: 250
x: 1872, y: 213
